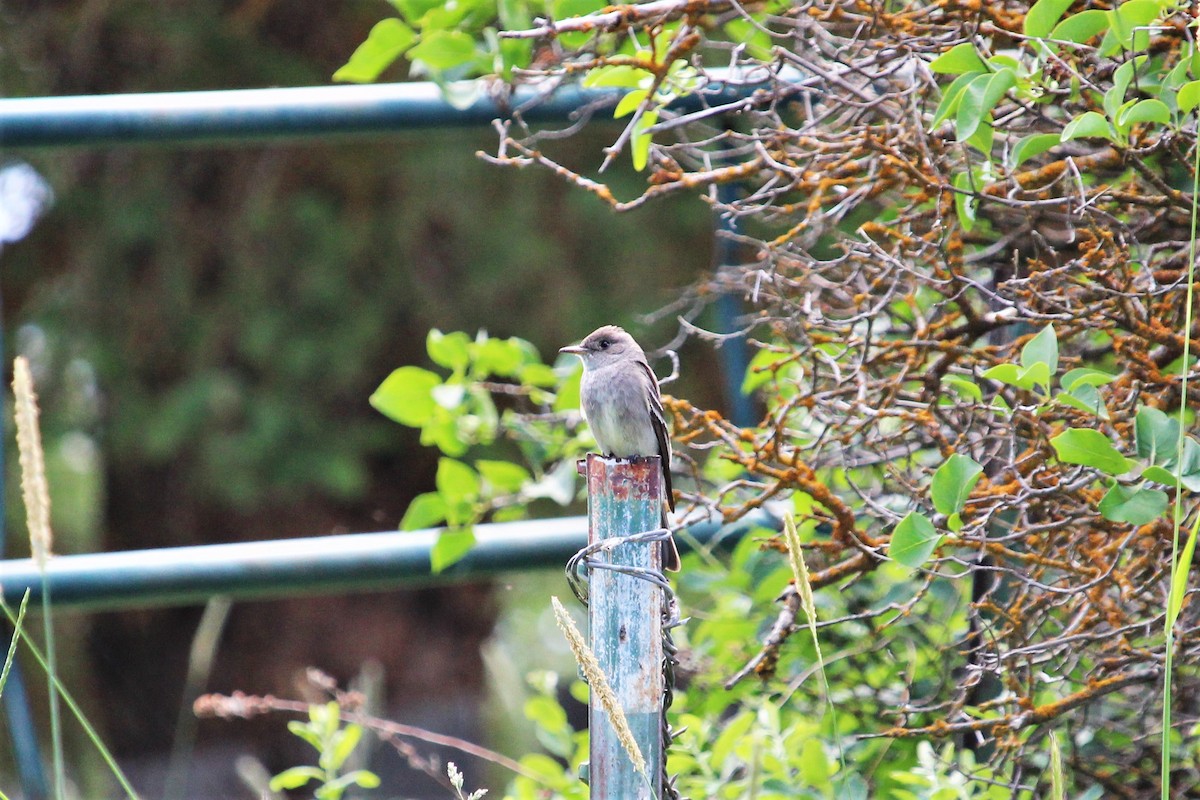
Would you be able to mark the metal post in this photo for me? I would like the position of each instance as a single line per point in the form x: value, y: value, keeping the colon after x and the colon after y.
x: 625, y: 618
x: 734, y: 354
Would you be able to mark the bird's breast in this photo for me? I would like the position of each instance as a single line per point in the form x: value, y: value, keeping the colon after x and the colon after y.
x: 618, y: 413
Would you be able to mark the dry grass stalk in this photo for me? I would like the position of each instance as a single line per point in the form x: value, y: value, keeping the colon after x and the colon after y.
x: 599, y: 684
x: 33, y: 462
x: 800, y: 571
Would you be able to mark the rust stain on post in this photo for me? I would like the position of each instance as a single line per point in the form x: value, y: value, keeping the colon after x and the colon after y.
x: 625, y: 618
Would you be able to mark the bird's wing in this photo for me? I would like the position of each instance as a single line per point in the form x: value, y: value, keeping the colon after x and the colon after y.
x: 658, y: 419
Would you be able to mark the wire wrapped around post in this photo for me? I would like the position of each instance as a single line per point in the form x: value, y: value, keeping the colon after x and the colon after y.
x: 631, y: 611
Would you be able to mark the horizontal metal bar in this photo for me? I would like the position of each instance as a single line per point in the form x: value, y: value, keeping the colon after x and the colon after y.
x: 176, y: 576
x: 255, y: 114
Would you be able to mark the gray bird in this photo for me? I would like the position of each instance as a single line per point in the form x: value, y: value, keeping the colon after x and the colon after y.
x: 621, y: 404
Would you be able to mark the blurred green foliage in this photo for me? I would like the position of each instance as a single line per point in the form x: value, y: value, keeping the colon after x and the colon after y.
x: 206, y: 324
x: 237, y: 306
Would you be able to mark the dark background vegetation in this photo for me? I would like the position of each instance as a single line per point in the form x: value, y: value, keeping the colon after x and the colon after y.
x: 207, y: 323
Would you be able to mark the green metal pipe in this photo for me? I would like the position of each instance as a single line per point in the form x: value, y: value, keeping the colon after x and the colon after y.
x: 177, y: 576
x: 241, y: 115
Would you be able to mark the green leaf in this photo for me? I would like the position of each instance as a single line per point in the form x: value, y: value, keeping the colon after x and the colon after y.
x: 503, y: 476
x: 386, y: 42
x: 951, y: 98
x: 1044, y: 15
x: 501, y: 357
x: 621, y: 76
x: 364, y: 778
x: 456, y: 15
x: 449, y: 395
x: 953, y: 482
x: 964, y: 387
x: 450, y: 548
x: 1179, y: 580
x: 568, y: 394
x: 1150, y: 110
x: 1005, y: 373
x: 545, y: 712
x: 814, y: 763
x: 1172, y: 475
x: 558, y: 484
x: 1002, y: 80
x: 1036, y: 374
x: 1089, y: 125
x: 983, y: 137
x: 1157, y: 436
x: 456, y: 481
x: 449, y: 350
x: 425, y: 511
x: 295, y: 777
x: 1178, y: 75
x: 1003, y: 61
x: 1160, y: 475
x: 444, y: 49
x: 960, y: 58
x: 407, y: 396
x: 641, y: 140
x: 1085, y: 398
x: 1032, y: 146
x: 542, y: 375
x: 847, y: 786
x: 1188, y: 97
x: 1133, y: 505
x: 1080, y: 27
x: 415, y: 10
x: 1085, y: 376
x: 1190, y: 468
x: 513, y: 14
x: 735, y: 731
x: 1091, y: 449
x: 305, y: 732
x: 344, y: 743
x: 442, y: 432
x: 1130, y: 15
x: 630, y: 102
x: 965, y: 202
x: 1041, y: 349
x: 1115, y: 96
x: 913, y: 540
x: 978, y: 100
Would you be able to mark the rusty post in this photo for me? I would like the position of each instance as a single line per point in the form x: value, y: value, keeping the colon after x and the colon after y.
x: 625, y: 621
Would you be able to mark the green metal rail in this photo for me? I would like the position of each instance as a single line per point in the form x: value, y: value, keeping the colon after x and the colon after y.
x: 247, y: 115
x: 176, y: 576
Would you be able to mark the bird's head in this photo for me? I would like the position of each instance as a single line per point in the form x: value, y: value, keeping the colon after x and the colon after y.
x: 604, y: 346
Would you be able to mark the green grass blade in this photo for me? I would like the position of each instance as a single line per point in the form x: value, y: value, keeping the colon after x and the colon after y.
x: 51, y: 667
x: 12, y: 645
x: 1179, y: 576
x: 804, y: 586
x: 74, y: 708
x: 1179, y: 580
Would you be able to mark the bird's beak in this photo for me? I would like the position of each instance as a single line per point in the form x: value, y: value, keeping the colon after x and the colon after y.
x: 574, y: 349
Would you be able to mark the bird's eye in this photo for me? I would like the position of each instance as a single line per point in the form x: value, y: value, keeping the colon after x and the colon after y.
x: 604, y: 343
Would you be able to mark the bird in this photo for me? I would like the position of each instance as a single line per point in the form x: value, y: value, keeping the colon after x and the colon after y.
x: 623, y: 407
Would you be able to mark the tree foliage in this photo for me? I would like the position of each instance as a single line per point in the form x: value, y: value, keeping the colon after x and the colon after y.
x: 968, y: 235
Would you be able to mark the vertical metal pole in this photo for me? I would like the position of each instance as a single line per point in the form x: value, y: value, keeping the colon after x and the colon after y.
x: 734, y: 354
x: 625, y: 621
